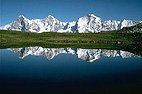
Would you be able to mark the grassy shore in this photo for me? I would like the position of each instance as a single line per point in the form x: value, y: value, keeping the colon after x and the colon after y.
x: 106, y: 40
x: 20, y: 38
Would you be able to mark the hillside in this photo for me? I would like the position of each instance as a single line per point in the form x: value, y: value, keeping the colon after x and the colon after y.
x: 133, y: 29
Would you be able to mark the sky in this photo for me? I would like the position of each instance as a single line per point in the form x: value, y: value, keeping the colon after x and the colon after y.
x: 70, y: 10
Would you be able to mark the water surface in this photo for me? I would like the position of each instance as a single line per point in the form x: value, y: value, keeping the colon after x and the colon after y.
x: 69, y: 70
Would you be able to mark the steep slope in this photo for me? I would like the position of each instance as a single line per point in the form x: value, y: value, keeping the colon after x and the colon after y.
x: 132, y: 29
x: 20, y: 24
x: 89, y: 23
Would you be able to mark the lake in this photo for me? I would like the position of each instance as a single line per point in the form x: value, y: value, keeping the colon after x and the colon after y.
x: 38, y: 70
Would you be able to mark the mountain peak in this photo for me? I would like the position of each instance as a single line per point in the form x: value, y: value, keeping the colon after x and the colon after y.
x: 50, y: 16
x: 22, y: 16
x: 93, y: 15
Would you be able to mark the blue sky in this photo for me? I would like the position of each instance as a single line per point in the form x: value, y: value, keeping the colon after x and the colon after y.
x: 70, y: 10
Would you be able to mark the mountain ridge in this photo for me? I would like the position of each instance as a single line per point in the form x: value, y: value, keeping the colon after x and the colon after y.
x: 85, y: 24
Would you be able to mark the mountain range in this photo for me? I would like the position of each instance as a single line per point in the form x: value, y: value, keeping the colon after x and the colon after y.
x: 89, y: 55
x: 85, y: 24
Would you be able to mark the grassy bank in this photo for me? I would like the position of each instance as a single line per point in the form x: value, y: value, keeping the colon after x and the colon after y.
x: 108, y: 40
x: 19, y: 38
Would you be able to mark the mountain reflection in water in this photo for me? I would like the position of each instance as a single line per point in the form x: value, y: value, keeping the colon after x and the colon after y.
x: 89, y: 55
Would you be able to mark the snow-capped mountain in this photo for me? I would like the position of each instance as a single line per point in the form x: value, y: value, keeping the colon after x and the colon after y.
x: 89, y: 55
x: 85, y: 24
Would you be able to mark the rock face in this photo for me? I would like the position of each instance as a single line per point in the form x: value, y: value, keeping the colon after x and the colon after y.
x: 85, y: 24
x: 89, y: 55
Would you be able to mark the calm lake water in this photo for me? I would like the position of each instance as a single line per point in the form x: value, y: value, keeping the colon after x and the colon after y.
x: 38, y: 70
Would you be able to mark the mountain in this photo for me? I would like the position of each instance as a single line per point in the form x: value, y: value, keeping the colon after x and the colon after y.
x: 89, y: 55
x: 85, y: 24
x: 132, y: 29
